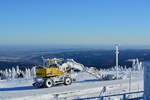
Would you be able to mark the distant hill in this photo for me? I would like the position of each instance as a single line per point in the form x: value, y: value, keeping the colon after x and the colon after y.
x: 90, y: 57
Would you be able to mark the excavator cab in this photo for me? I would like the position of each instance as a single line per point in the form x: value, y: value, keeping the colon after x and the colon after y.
x: 52, y: 62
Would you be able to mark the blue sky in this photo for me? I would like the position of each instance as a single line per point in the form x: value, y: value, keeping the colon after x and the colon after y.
x: 84, y: 22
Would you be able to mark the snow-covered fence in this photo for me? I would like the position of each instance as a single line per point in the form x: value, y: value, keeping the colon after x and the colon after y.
x: 124, y: 96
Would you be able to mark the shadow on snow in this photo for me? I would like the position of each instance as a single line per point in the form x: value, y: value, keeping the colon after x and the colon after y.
x: 18, y: 88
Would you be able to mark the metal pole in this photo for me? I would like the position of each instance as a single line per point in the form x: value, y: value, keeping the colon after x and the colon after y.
x: 117, y: 58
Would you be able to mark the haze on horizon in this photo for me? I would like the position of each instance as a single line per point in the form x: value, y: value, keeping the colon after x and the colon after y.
x: 74, y: 22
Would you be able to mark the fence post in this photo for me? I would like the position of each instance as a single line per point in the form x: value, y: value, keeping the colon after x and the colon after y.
x: 124, y: 96
x: 102, y: 98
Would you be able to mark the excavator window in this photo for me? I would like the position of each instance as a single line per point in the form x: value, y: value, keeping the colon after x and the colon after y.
x: 54, y: 65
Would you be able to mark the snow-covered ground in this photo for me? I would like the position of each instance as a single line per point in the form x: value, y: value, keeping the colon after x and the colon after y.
x: 90, y: 82
x: 85, y: 86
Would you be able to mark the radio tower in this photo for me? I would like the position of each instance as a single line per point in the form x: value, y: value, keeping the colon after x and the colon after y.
x: 117, y: 59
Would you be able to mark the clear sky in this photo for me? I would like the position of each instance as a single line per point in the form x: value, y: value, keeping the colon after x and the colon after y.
x: 89, y: 22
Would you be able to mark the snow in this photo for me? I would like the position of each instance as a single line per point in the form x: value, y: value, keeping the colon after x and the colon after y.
x: 15, y: 83
x: 85, y: 86
x: 89, y: 83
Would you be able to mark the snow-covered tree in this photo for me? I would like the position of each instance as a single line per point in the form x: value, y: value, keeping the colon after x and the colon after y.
x: 6, y: 73
x: 27, y: 73
x: 13, y: 73
x: 33, y: 71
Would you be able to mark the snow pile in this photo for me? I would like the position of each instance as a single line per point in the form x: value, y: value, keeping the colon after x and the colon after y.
x: 84, y: 76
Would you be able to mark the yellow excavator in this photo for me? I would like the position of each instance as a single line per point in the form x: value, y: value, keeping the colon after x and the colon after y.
x: 51, y: 74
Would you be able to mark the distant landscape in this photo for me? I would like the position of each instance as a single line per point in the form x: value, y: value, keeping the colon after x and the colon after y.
x: 99, y: 58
